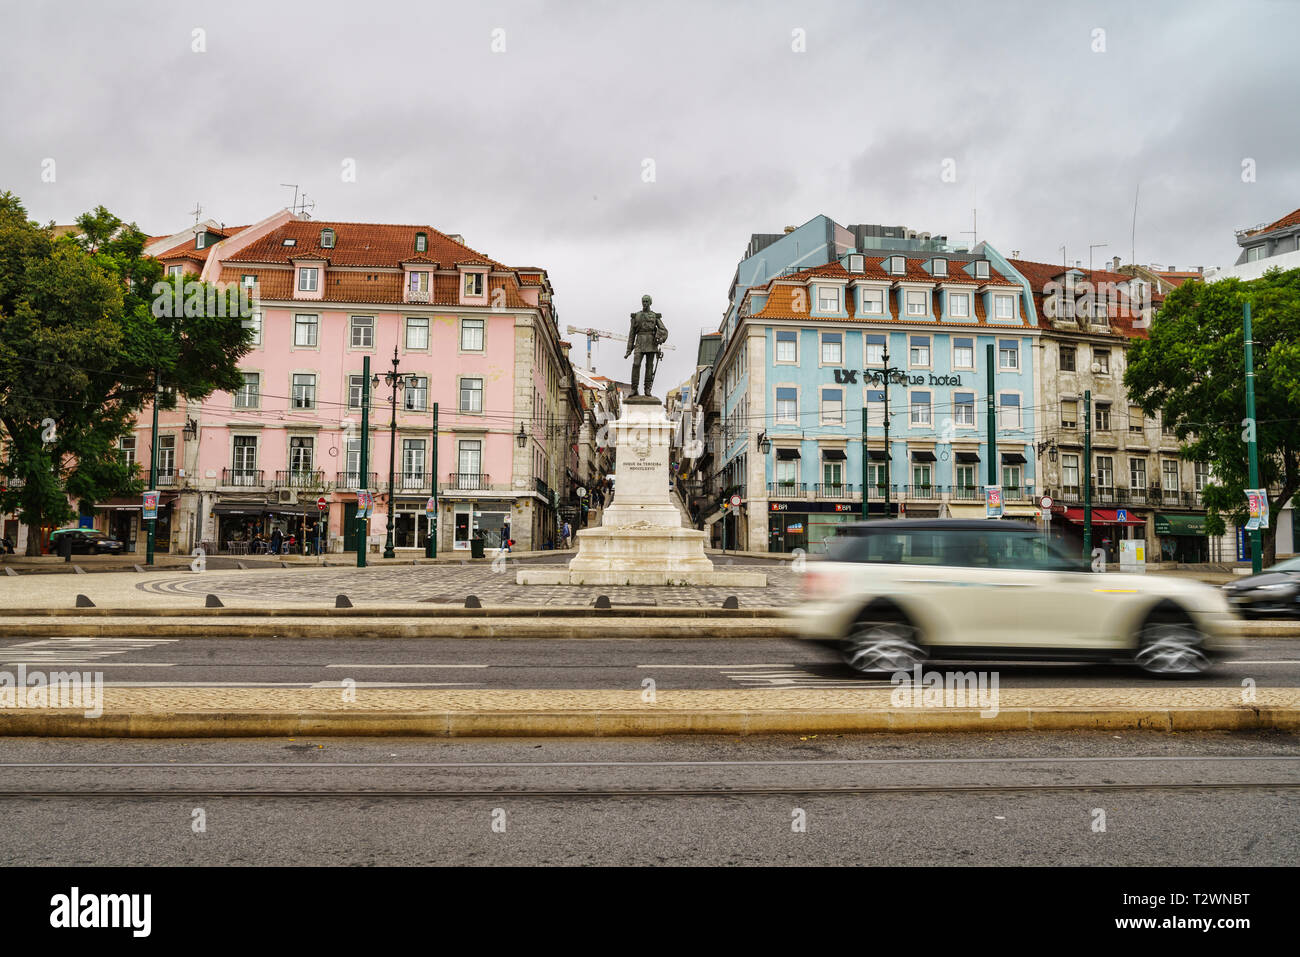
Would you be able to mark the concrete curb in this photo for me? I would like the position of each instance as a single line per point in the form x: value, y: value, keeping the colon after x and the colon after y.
x: 645, y: 722
x: 502, y: 627
x: 415, y: 611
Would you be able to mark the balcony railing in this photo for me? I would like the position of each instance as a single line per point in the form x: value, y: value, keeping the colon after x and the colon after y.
x: 300, y: 478
x: 165, y: 478
x: 243, y: 478
x: 916, y: 492
x: 543, y: 488
x: 833, y: 490
x: 411, y: 482
x: 417, y: 295
x: 967, y: 493
x: 351, y: 481
x: 458, y: 481
x: 787, y: 489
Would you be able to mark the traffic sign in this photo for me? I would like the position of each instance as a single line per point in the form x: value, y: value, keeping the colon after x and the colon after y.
x: 321, y: 503
x: 1122, y: 514
x: 735, y: 501
x: 1046, y: 502
x: 582, y: 492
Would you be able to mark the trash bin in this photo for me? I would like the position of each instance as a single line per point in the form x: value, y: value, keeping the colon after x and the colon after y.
x: 476, y: 547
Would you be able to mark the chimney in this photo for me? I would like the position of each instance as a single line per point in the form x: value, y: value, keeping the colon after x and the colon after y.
x: 789, y: 230
x: 1015, y: 254
x: 1201, y: 270
x: 1114, y: 264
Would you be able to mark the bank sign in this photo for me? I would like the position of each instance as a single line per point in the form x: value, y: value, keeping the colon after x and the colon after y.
x: 870, y: 377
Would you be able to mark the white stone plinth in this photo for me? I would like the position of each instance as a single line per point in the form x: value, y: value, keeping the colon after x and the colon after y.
x: 640, y: 540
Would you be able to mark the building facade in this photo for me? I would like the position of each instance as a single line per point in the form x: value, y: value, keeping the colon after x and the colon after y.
x: 468, y: 333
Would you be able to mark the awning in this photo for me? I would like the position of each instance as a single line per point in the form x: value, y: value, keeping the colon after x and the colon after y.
x: 1020, y: 511
x: 786, y: 455
x: 966, y: 458
x: 833, y: 455
x: 1180, y: 524
x: 1100, y: 516
x: 1012, y: 458
x: 923, y: 455
x: 877, y: 455
x: 966, y: 510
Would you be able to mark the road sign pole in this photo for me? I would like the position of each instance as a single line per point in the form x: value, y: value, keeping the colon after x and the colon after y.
x: 1087, y: 475
x: 363, y: 481
x: 1252, y: 448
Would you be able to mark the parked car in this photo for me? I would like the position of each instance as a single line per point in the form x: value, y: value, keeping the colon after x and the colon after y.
x: 88, y: 541
x: 893, y: 593
x: 1274, y: 591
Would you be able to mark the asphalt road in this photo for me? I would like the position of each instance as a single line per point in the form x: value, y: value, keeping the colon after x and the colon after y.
x: 1013, y: 799
x: 532, y: 663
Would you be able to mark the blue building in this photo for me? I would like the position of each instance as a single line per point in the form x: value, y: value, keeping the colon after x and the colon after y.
x: 892, y: 320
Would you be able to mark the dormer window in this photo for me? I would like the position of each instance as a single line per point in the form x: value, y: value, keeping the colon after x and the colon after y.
x: 200, y: 240
x: 897, y: 265
x: 308, y: 278
x: 981, y: 269
x: 828, y: 298
x: 855, y: 262
x: 939, y: 267
x: 473, y: 283
x: 421, y: 242
x: 327, y: 239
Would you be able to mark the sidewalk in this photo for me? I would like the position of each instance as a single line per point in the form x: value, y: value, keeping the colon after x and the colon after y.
x: 286, y: 712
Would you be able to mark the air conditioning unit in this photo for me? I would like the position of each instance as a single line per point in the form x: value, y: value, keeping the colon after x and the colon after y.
x: 286, y: 496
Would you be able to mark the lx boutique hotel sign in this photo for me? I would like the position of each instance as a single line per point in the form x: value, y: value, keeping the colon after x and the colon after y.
x: 870, y: 377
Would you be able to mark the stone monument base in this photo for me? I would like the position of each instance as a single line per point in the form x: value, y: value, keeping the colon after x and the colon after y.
x: 640, y: 554
x: 641, y: 540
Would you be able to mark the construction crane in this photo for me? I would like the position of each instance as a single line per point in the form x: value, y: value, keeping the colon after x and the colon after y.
x: 597, y: 335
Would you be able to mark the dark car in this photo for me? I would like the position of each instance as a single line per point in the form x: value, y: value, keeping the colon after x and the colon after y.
x: 85, y: 541
x: 1274, y: 591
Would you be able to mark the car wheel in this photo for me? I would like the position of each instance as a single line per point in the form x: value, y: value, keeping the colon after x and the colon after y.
x: 876, y: 644
x: 1171, y: 649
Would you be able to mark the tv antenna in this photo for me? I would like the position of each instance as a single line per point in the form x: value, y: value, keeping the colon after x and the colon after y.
x: 299, y: 208
x: 196, y: 212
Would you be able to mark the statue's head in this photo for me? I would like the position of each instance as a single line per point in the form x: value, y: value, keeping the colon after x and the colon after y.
x: 645, y: 301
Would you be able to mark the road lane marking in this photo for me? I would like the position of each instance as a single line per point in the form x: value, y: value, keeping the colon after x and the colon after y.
x: 407, y: 666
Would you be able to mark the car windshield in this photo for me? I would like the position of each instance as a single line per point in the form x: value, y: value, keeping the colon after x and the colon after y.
x: 959, y: 547
x: 1290, y: 565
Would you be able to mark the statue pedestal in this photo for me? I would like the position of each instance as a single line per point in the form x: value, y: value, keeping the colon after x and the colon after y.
x: 641, y: 540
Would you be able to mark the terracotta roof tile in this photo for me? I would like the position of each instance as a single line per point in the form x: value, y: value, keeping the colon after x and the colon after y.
x: 357, y: 244
x: 383, y: 288
x: 1290, y: 219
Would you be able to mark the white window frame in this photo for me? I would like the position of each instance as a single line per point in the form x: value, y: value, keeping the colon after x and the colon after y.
x: 254, y: 322
x: 793, y: 418
x: 354, y: 326
x: 920, y: 309
x: 308, y: 278
x: 1001, y: 299
x: 475, y: 279
x: 929, y: 353
x: 867, y: 345
x: 823, y: 405
x: 1003, y: 409
x: 313, y: 326
x: 242, y: 392
x: 462, y: 392
x: 823, y: 342
x: 959, y: 297
x: 920, y: 416
x: 408, y: 326
x: 955, y: 347
x: 294, y: 385
x: 876, y: 307
x: 1014, y: 353
x: 960, y: 420
x: 777, y: 343
x: 823, y: 298
x: 473, y: 324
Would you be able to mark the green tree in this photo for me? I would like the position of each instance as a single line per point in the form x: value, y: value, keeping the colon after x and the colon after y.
x: 82, y: 344
x: 1192, y: 370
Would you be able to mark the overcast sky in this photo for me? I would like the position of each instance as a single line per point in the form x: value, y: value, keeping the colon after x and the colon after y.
x: 536, y: 154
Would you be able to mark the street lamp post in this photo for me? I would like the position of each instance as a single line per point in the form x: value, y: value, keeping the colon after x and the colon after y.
x: 394, y: 381
x: 886, y: 371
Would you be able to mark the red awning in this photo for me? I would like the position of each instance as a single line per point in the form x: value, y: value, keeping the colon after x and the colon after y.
x: 1100, y: 516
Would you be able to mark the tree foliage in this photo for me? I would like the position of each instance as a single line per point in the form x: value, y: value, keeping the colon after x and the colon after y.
x: 80, y: 347
x: 1192, y: 370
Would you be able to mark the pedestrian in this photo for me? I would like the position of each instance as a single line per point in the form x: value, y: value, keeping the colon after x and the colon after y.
x: 568, y: 534
x: 277, y: 541
x: 505, y: 537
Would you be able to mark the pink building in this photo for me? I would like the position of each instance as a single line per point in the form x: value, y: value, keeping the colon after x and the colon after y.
x: 476, y: 337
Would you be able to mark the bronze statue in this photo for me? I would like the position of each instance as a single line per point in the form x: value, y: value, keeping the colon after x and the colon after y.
x: 646, y: 335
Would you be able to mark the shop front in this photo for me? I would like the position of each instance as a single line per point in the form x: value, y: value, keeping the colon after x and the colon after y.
x: 121, y: 520
x: 486, y: 519
x: 1182, y: 538
x: 808, y: 525
x: 1109, y: 527
x: 245, y: 528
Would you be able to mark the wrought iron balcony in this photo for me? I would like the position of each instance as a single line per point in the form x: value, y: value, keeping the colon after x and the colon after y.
x: 300, y: 478
x: 462, y: 481
x: 787, y: 489
x: 351, y: 481
x: 243, y: 478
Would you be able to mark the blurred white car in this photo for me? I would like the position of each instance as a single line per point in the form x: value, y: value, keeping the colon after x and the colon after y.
x: 893, y: 593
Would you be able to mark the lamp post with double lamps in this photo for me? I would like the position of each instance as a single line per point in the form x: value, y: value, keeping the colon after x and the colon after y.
x: 395, y: 382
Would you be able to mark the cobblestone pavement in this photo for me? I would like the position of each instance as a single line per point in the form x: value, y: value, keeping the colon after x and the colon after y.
x: 451, y: 584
